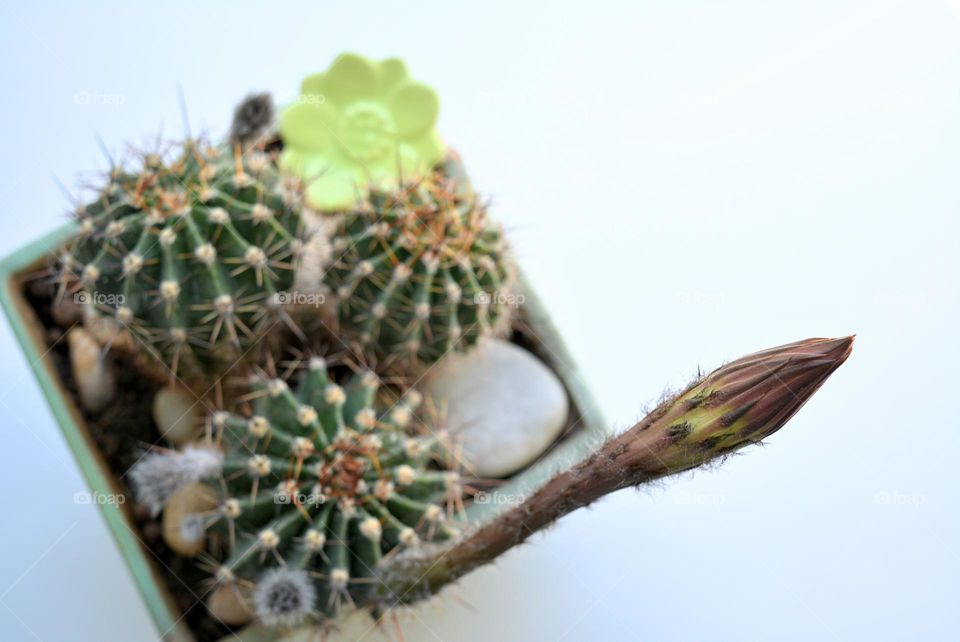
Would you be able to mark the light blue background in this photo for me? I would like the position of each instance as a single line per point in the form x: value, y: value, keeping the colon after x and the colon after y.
x: 685, y: 182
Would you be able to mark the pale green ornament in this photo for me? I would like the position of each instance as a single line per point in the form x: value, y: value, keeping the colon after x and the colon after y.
x: 359, y: 124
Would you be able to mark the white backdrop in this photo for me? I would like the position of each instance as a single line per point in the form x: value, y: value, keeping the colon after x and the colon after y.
x: 685, y: 182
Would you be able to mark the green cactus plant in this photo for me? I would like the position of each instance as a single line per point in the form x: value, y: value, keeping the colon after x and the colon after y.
x: 316, y: 488
x: 420, y: 271
x: 378, y: 538
x: 191, y: 255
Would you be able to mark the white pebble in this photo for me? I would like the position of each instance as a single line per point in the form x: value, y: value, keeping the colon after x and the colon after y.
x: 95, y: 380
x: 178, y: 414
x: 504, y: 407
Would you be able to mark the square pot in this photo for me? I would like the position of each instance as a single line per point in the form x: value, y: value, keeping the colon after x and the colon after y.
x: 535, y: 331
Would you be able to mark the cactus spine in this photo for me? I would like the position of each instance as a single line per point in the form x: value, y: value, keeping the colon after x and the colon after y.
x: 190, y: 256
x: 316, y: 488
x: 420, y: 271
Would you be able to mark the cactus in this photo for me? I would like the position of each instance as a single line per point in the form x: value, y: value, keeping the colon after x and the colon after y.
x: 322, y: 502
x: 311, y: 499
x: 190, y: 255
x: 315, y: 489
x: 737, y: 405
x: 420, y: 271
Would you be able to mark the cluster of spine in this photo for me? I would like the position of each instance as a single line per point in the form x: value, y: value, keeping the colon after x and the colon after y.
x: 316, y: 488
x: 190, y: 255
x: 420, y: 271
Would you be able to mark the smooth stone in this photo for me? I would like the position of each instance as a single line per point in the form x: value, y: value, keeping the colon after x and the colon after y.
x: 66, y: 312
x: 228, y: 605
x: 95, y: 381
x: 180, y: 514
x: 501, y: 404
x: 352, y: 625
x: 179, y: 415
x: 107, y: 330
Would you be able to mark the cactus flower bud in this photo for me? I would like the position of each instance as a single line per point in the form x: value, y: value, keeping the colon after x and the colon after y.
x: 737, y: 404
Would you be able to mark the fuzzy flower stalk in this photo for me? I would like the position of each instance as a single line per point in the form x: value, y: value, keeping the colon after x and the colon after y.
x: 736, y: 405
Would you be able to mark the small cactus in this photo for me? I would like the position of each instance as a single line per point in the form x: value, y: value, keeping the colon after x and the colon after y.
x: 420, y: 271
x: 316, y: 488
x: 190, y: 255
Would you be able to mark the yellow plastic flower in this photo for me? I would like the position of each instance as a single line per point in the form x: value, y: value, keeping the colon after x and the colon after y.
x: 359, y: 123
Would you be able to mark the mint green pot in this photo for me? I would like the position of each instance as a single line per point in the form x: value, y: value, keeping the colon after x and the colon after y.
x: 585, y: 429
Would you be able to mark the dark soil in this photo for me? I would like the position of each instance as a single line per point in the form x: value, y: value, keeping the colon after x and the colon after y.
x: 123, y: 431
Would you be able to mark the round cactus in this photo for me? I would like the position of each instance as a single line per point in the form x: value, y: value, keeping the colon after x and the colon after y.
x: 316, y: 487
x: 420, y: 271
x: 191, y: 255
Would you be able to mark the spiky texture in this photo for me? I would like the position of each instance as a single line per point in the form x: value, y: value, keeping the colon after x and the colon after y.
x: 735, y: 406
x: 284, y: 597
x: 420, y: 271
x: 317, y: 480
x: 158, y: 475
x: 190, y: 255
